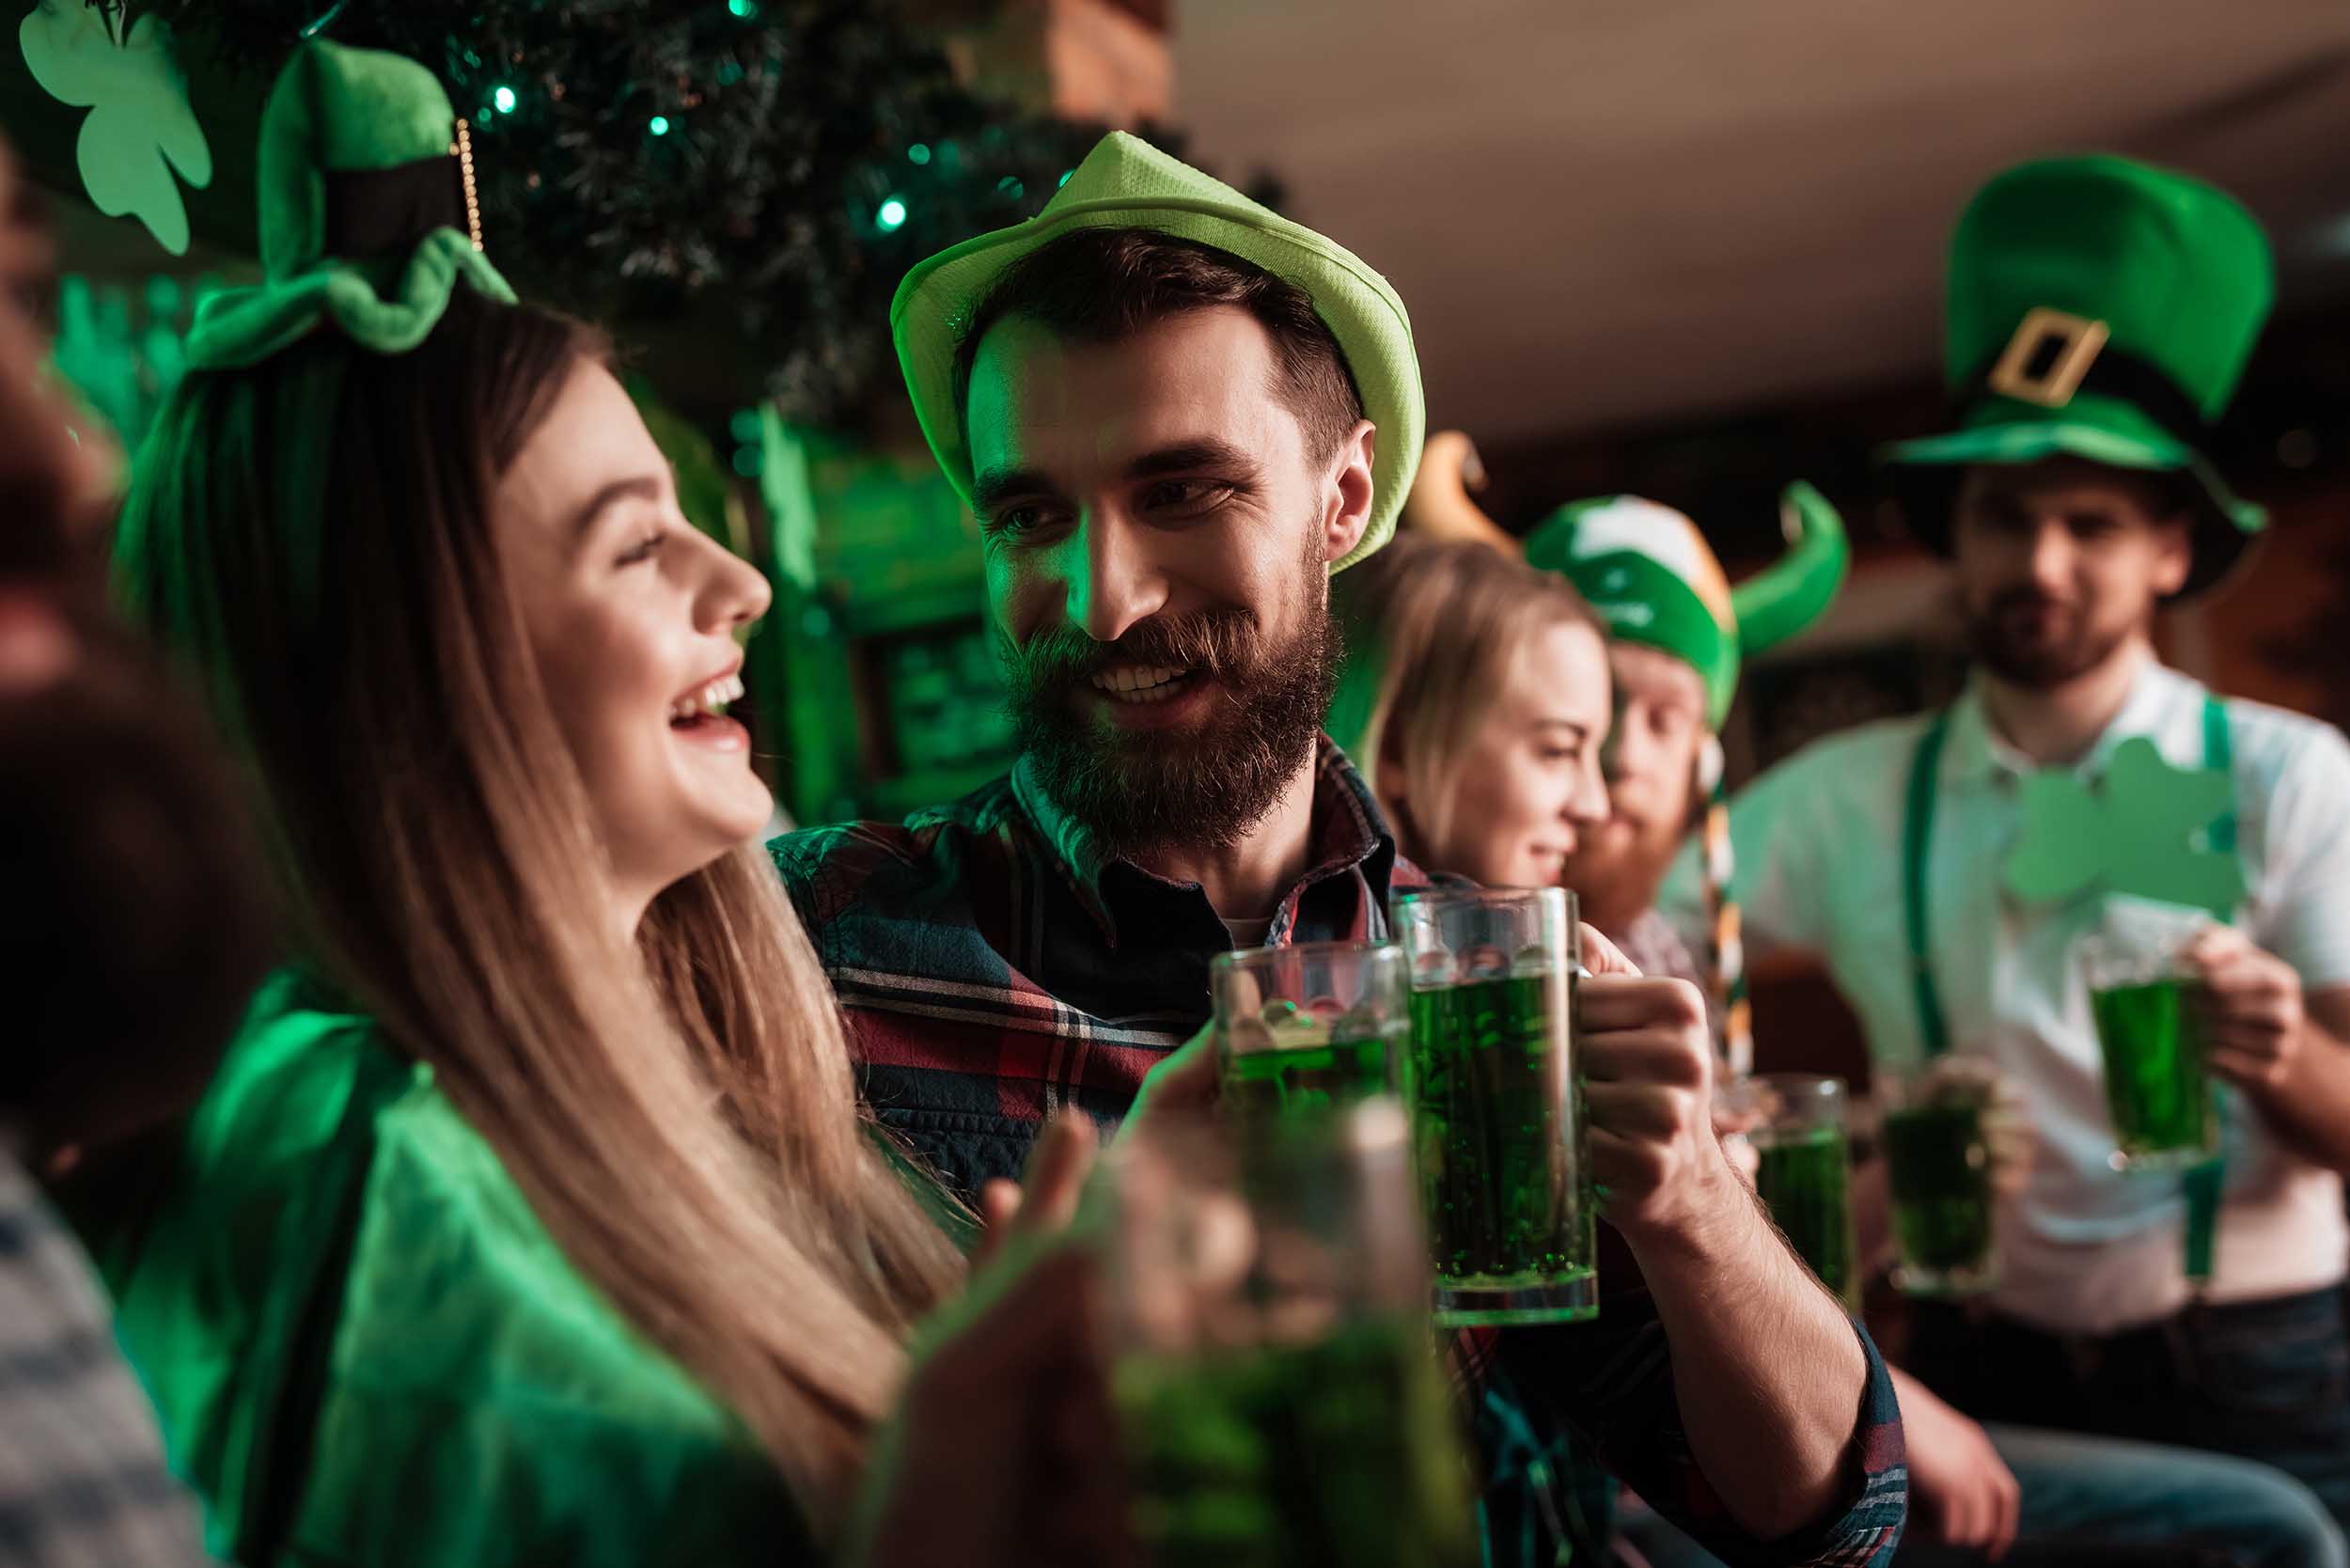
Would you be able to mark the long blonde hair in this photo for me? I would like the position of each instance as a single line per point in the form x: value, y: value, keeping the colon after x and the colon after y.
x: 313, y: 535
x: 1432, y: 627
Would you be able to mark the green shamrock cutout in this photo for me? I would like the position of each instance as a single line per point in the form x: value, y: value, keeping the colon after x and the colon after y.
x: 140, y: 127
x: 2141, y: 830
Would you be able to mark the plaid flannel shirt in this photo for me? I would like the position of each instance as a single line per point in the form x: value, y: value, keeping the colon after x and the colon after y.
x: 995, y: 964
x: 83, y: 1483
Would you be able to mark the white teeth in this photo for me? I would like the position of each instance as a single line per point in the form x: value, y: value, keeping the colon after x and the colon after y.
x: 1140, y: 683
x: 711, y: 698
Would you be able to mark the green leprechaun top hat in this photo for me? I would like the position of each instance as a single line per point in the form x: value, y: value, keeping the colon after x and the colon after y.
x: 368, y: 215
x: 2098, y: 309
x: 1124, y: 183
x: 1652, y: 578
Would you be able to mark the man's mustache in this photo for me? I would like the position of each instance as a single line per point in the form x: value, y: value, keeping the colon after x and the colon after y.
x: 2008, y: 601
x: 1216, y: 643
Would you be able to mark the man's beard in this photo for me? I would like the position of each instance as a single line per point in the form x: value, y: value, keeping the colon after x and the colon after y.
x: 2075, y: 648
x: 1618, y: 868
x: 1205, y: 787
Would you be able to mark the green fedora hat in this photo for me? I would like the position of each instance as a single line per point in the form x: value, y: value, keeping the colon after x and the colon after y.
x: 1124, y: 183
x: 2104, y: 309
x: 369, y: 214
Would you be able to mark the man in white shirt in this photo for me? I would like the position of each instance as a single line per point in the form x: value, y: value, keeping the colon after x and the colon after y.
x: 1678, y: 633
x: 2100, y: 311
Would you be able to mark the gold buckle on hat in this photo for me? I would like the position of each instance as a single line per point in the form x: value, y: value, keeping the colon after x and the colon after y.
x: 2047, y: 357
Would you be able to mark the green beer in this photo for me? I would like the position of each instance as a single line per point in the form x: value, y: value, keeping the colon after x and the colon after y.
x: 1803, y: 1180
x: 2155, y: 1088
x: 1334, y: 1455
x: 1499, y: 1146
x: 1275, y: 1082
x: 1939, y: 1168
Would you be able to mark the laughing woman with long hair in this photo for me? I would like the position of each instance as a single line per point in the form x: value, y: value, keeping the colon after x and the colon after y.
x: 533, y: 1216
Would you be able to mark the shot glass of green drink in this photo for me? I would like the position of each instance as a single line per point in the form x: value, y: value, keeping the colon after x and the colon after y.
x: 1804, y: 1170
x: 1937, y: 1157
x: 2142, y: 992
x: 1496, y: 1108
x: 1279, y: 1395
x: 1308, y: 1029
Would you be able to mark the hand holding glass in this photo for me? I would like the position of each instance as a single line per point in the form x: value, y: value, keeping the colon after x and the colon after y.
x: 2141, y: 994
x: 1306, y: 1029
x: 1497, y: 1112
x: 1276, y: 1384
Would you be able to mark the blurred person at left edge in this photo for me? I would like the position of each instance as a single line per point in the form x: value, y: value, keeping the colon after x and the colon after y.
x: 131, y: 932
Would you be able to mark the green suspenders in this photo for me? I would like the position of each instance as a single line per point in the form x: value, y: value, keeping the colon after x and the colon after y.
x: 1916, y: 842
x: 2203, y: 1183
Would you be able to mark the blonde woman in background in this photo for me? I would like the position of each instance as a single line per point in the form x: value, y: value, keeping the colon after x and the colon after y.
x: 1476, y: 701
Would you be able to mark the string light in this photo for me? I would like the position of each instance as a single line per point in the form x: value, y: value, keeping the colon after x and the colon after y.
x: 462, y: 150
x: 892, y: 216
x: 743, y: 8
x: 918, y: 153
x: 1010, y: 186
x: 1064, y: 179
x: 502, y: 101
x: 660, y: 126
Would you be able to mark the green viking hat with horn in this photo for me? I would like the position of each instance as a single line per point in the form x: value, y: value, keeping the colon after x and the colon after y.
x: 1651, y: 575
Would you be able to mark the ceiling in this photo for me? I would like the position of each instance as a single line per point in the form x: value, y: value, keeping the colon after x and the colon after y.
x: 1604, y: 212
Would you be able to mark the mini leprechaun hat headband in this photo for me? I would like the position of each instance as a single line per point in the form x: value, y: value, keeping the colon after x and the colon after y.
x: 2104, y: 309
x: 1125, y: 183
x: 368, y: 215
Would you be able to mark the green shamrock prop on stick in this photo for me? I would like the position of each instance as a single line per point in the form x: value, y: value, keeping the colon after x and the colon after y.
x: 140, y: 128
x: 2140, y: 830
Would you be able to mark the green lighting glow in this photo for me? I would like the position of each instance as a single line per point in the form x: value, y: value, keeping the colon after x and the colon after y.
x: 918, y: 153
x: 502, y: 101
x: 660, y: 126
x: 744, y: 425
x: 744, y: 8
x: 1011, y: 186
x: 892, y: 216
x: 748, y: 460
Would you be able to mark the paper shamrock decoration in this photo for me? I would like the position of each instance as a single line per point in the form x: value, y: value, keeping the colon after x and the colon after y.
x: 140, y: 128
x: 2140, y: 830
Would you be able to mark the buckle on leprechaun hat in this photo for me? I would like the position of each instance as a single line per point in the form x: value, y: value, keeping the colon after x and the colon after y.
x: 2049, y: 356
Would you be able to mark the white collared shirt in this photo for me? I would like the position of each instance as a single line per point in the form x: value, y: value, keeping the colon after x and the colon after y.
x: 1818, y: 841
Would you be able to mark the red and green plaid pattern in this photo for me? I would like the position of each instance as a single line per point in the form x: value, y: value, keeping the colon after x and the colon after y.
x: 995, y: 966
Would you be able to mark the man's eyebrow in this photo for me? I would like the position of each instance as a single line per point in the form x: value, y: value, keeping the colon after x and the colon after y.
x: 994, y: 486
x: 998, y: 485
x: 1185, y: 456
x: 640, y: 487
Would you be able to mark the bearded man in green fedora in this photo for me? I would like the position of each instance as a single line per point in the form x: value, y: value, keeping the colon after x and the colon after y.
x: 1953, y: 868
x: 1175, y: 413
